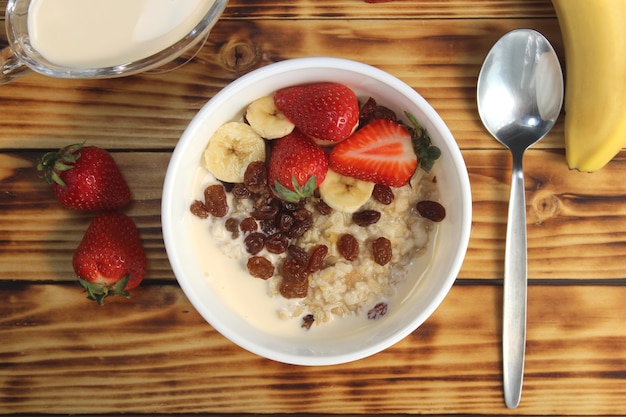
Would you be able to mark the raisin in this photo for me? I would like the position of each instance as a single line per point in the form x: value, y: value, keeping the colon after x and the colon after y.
x: 260, y: 267
x: 284, y: 222
x: 383, y: 194
x: 302, y: 215
x: 365, y: 217
x: 255, y: 177
x: 431, y: 210
x: 268, y: 226
x: 263, y: 199
x: 291, y: 206
x: 371, y: 111
x: 215, y: 200
x: 381, y: 250
x: 377, y: 311
x: 307, y: 321
x: 254, y: 242
x: 232, y: 225
x: 300, y: 255
x: 295, y: 283
x: 248, y: 225
x: 322, y: 208
x: 277, y: 243
x: 199, y: 209
x: 265, y: 212
x: 316, y: 260
x: 348, y: 247
x: 241, y: 192
x: 300, y: 228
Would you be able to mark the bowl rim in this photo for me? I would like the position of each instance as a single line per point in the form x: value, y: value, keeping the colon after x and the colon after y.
x: 328, y: 63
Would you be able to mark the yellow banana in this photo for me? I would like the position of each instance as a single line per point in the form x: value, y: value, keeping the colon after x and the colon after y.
x: 594, y: 39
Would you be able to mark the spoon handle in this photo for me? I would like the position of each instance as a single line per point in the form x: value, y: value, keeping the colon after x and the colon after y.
x: 515, y: 287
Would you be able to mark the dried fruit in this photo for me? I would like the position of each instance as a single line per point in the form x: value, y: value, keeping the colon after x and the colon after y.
x: 381, y: 250
x: 215, y: 200
x: 307, y: 321
x: 316, y: 259
x: 232, y: 225
x: 254, y: 242
x: 248, y: 225
x: 366, y: 217
x: 199, y: 209
x: 295, y: 283
x: 383, y: 194
x: 348, y: 247
x: 376, y: 312
x: 431, y: 210
x: 260, y: 267
x: 255, y: 177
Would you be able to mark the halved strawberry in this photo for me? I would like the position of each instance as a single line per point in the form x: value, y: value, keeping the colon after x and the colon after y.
x: 381, y: 152
x: 326, y: 112
x: 296, y: 167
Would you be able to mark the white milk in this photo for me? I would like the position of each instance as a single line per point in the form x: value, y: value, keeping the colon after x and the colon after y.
x: 249, y: 297
x: 104, y: 33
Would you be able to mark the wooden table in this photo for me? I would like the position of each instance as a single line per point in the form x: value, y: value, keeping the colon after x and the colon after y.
x: 63, y: 354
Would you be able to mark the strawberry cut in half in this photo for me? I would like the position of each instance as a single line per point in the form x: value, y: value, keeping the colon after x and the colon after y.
x: 326, y: 112
x: 297, y: 166
x: 110, y: 259
x: 381, y: 152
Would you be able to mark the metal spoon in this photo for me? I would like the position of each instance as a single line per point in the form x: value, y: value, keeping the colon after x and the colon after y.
x: 520, y: 92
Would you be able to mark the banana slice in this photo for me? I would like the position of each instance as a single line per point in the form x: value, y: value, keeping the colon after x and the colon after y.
x: 343, y: 193
x: 231, y: 149
x: 267, y: 120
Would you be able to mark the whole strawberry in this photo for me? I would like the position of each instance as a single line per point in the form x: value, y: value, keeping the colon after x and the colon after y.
x: 326, y: 112
x: 297, y: 166
x: 110, y: 259
x: 85, y: 178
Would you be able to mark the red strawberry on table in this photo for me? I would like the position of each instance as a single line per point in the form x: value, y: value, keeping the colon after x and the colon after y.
x: 381, y: 152
x: 85, y: 178
x: 326, y: 112
x: 110, y: 259
x: 297, y: 166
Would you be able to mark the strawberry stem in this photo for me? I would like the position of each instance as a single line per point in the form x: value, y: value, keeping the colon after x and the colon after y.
x: 426, y: 152
x: 298, y: 193
x: 52, y: 163
x: 98, y: 292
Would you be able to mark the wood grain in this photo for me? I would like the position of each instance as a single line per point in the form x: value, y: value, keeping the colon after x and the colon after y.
x: 439, y: 59
x: 575, y: 226
x: 154, y: 354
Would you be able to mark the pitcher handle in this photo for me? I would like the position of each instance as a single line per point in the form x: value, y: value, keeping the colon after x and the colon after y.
x: 11, y: 67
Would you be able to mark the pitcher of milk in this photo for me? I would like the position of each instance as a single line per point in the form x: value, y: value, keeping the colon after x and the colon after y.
x: 101, y: 38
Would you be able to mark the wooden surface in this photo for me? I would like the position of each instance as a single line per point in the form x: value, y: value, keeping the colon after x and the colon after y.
x: 62, y: 354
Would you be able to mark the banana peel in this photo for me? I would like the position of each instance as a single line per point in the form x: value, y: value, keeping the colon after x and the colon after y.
x: 594, y: 38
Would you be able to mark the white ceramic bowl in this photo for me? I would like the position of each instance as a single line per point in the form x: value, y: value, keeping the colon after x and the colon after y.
x: 199, y: 275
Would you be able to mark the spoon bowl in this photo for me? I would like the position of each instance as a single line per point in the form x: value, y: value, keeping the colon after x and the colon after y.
x: 519, y: 97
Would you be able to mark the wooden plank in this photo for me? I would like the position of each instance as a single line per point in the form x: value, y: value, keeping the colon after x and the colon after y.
x: 154, y: 354
x: 439, y: 58
x: 575, y: 220
x: 333, y: 9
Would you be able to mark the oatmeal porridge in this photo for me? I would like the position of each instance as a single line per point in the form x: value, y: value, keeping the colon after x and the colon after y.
x: 316, y: 262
